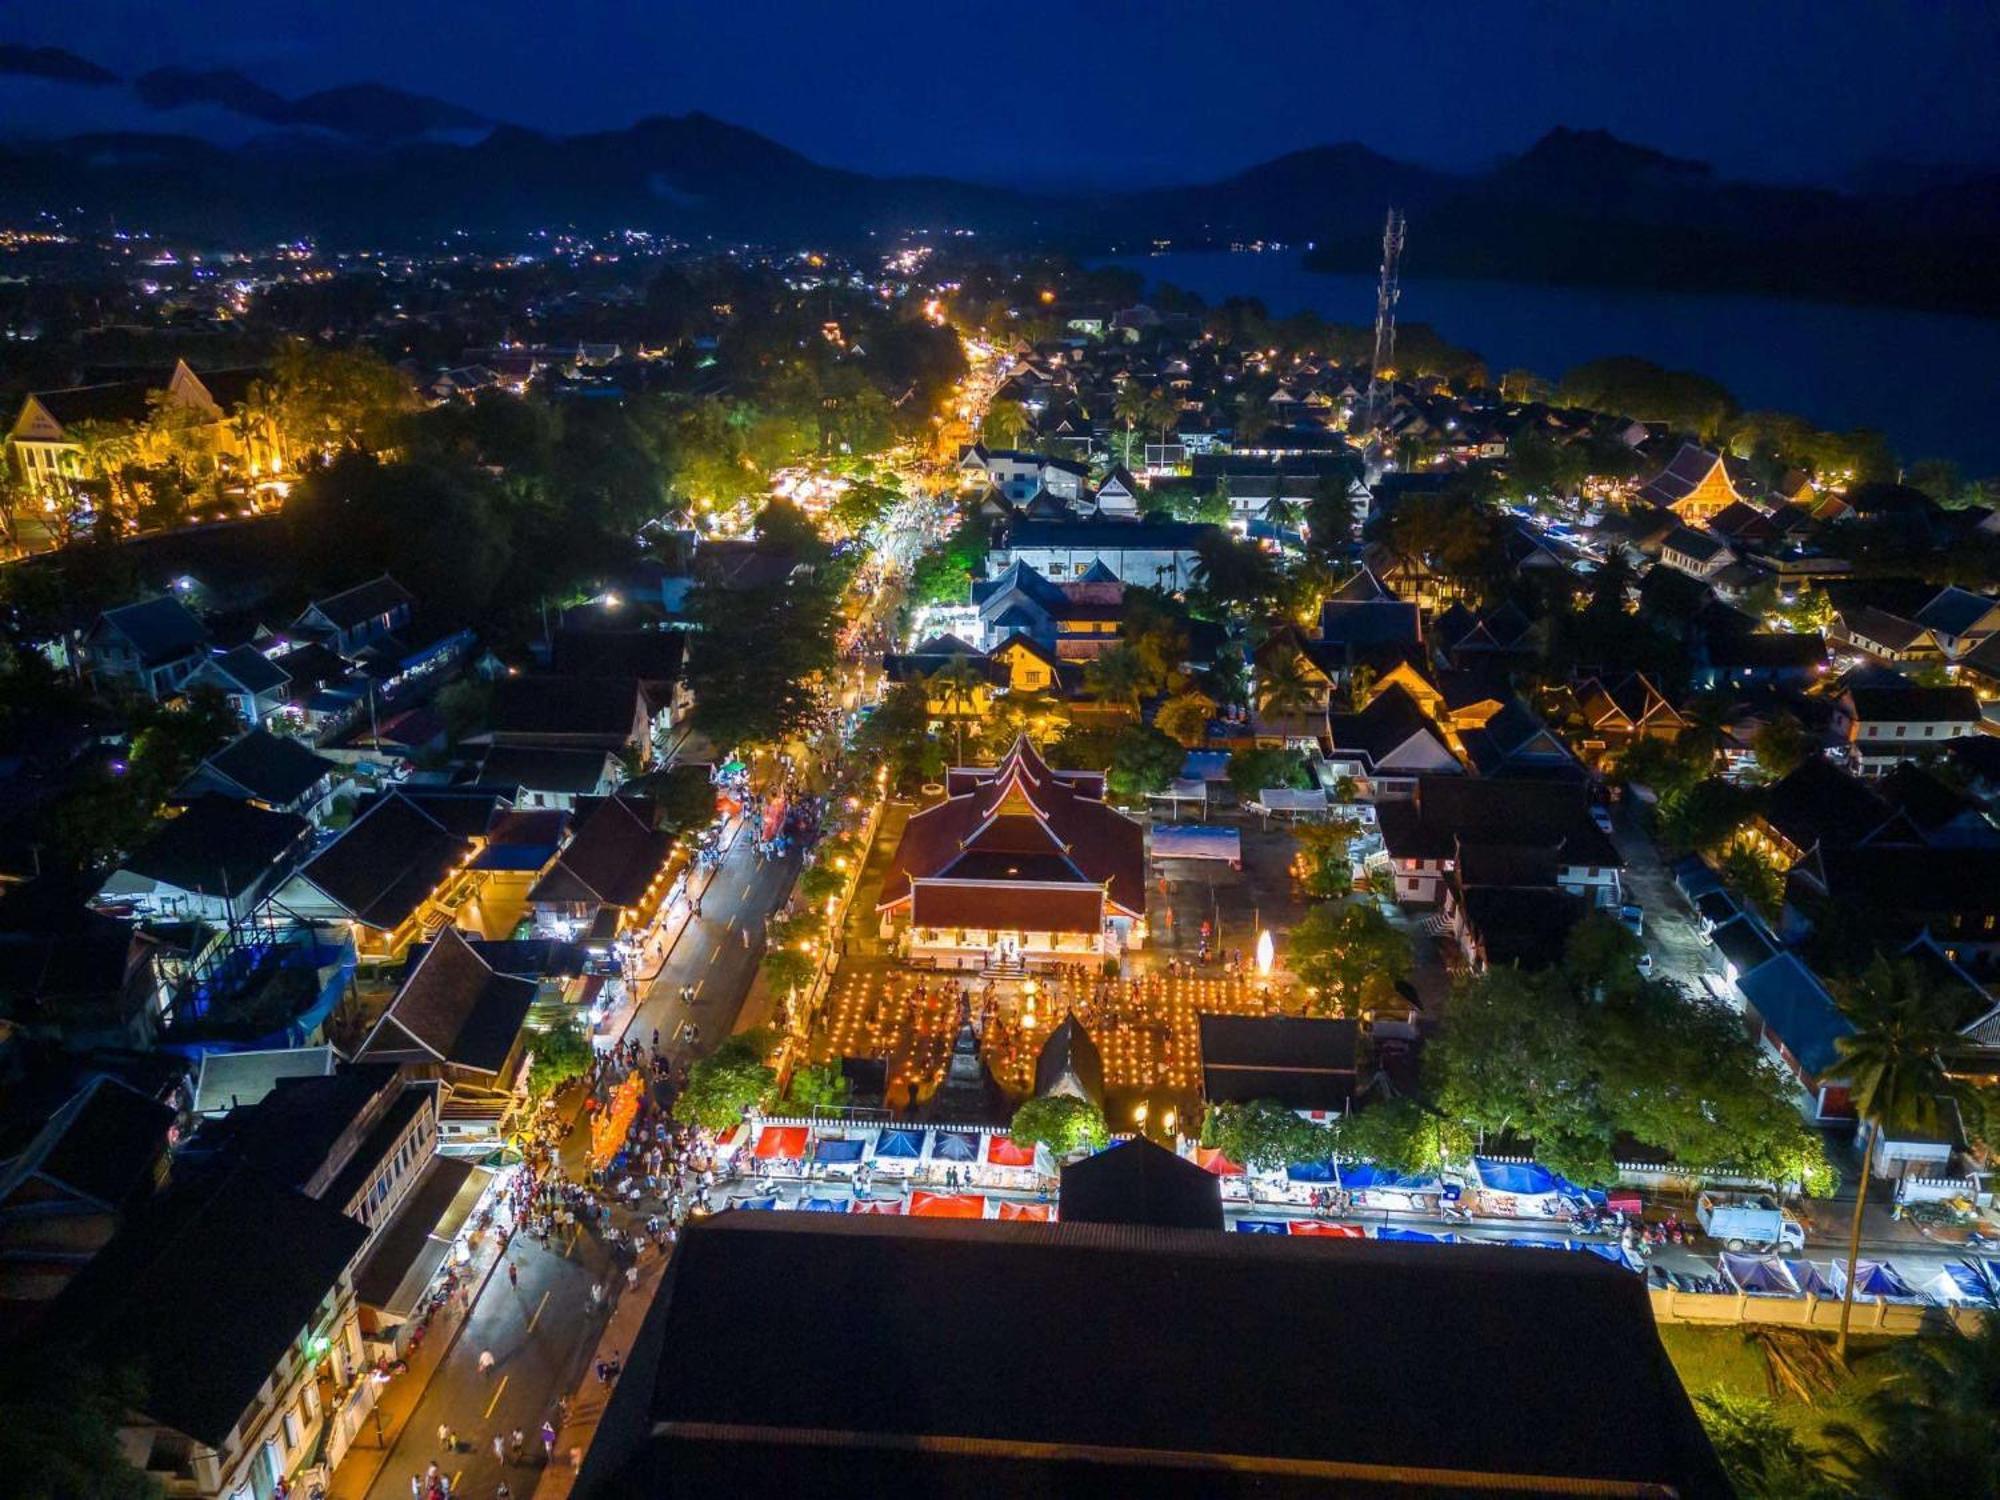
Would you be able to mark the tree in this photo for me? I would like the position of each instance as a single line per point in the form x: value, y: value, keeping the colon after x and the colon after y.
x: 1233, y: 574
x: 683, y: 800
x: 1005, y: 424
x: 1285, y: 690
x: 1321, y: 863
x: 1402, y: 1135
x: 560, y: 1054
x: 957, y: 689
x: 1932, y: 1427
x: 1185, y: 717
x: 1132, y: 408
x: 1703, y: 816
x: 1144, y: 760
x: 59, y: 1426
x: 1063, y: 1123
x: 898, y: 735
x: 1350, y: 957
x: 1899, y: 1062
x: 1266, y: 1134
x: 1116, y: 676
x: 815, y: 1087
x: 757, y: 659
x: 325, y: 401
x: 730, y: 1080
x: 944, y: 575
x: 1764, y: 1458
x: 1250, y: 771
x: 1780, y: 745
x: 1753, y: 879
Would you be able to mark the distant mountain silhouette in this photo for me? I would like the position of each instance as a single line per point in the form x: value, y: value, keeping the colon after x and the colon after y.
x: 366, y: 111
x: 53, y: 63
x: 372, y: 165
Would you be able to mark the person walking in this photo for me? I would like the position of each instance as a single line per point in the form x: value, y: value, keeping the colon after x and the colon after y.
x: 513, y: 1274
x: 499, y: 1449
x: 444, y: 1436
x: 416, y: 1487
x: 548, y: 1442
x: 485, y: 1361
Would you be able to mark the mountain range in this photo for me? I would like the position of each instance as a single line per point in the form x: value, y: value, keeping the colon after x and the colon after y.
x: 371, y: 165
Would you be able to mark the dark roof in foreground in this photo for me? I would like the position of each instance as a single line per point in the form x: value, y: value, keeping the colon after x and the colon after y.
x: 1030, y: 1359
x: 1136, y: 1182
x: 201, y: 1294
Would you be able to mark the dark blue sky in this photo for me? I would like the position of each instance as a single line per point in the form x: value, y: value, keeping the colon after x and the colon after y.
x: 1115, y: 90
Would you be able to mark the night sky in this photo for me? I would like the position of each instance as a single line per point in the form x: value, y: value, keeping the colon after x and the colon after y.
x: 1126, y: 92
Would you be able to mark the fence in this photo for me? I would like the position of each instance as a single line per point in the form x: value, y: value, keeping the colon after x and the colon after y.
x: 1871, y: 1314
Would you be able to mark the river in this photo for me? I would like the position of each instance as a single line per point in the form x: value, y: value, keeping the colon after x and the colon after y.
x: 1926, y: 380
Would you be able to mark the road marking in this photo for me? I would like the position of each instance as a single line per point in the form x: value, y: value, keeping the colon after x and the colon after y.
x: 713, y: 957
x: 489, y: 1407
x: 538, y: 1311
x: 454, y: 1480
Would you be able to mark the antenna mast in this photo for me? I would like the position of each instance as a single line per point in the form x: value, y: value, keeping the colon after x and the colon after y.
x: 1387, y: 291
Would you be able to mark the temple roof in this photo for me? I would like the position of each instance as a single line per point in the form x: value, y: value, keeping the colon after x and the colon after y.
x: 1022, y: 822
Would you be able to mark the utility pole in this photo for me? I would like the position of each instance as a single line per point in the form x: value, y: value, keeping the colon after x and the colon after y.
x: 1387, y: 291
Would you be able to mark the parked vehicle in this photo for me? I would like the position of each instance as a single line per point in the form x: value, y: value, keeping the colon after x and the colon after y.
x: 1751, y: 1221
x: 1645, y: 965
x: 1632, y: 917
x: 1601, y: 816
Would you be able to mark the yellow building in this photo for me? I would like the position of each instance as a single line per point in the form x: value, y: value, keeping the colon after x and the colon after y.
x: 1696, y: 486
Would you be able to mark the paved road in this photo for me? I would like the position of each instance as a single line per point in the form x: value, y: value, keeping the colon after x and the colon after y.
x: 712, y: 954
x: 1670, y: 932
x: 541, y: 1332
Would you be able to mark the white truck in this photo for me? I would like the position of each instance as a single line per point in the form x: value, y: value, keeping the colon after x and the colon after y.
x: 1751, y: 1221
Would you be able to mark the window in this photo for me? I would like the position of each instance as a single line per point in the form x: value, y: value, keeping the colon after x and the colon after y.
x: 293, y: 1431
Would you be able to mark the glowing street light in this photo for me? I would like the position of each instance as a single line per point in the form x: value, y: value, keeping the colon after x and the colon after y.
x: 1266, y: 954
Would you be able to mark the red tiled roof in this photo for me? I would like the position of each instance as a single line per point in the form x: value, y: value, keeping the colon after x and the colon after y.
x: 1022, y: 809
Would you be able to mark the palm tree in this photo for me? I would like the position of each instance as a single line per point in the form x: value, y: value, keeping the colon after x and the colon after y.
x: 1931, y: 1427
x: 1131, y: 408
x: 1117, y: 676
x: 955, y: 688
x: 1164, y: 410
x: 1707, y: 726
x: 1898, y: 1064
x: 1284, y: 690
x: 1005, y: 424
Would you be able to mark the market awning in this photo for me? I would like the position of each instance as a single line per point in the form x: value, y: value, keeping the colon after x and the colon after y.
x: 781, y: 1142
x: 1005, y: 1151
x: 414, y: 1243
x: 838, y: 1153
x: 1038, y: 1212
x: 1261, y: 1226
x: 1763, y: 1276
x: 1416, y: 1236
x: 1522, y: 1178
x: 756, y: 1203
x: 950, y: 1145
x: 947, y: 1206
x: 899, y: 1145
x: 730, y: 1139
x: 1331, y: 1231
x: 877, y: 1206
x: 1310, y: 1171
x: 1211, y: 1159
x: 822, y: 1205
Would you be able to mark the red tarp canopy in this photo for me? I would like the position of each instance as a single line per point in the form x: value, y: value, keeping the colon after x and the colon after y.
x: 782, y: 1141
x: 774, y: 817
x: 1211, y: 1159
x: 1334, y: 1231
x: 947, y: 1206
x: 1039, y: 1212
x: 1004, y: 1151
x: 1624, y: 1202
x: 873, y: 1206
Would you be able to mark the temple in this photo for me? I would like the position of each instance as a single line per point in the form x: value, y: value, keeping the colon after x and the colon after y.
x: 1019, y: 867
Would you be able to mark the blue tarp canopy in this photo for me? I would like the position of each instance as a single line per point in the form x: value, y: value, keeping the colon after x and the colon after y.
x: 1537, y: 1243
x: 900, y: 1145
x: 1809, y: 1280
x: 1760, y: 1275
x: 837, y: 1152
x: 1958, y: 1282
x: 1570, y: 1190
x: 822, y: 1205
x: 1360, y: 1176
x: 1261, y: 1226
x: 949, y: 1145
x: 1873, y: 1279
x: 1416, y: 1237
x: 1524, y: 1178
x: 757, y: 1203
x: 1617, y: 1255
x: 1310, y: 1171
x: 1197, y: 841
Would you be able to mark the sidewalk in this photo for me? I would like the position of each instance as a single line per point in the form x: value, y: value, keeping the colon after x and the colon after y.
x: 588, y: 1400
x: 362, y: 1466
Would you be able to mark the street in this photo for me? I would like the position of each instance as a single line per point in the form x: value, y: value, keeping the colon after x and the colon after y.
x: 542, y: 1331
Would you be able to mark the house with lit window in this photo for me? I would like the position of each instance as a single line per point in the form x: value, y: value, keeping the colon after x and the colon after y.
x: 1884, y: 726
x: 152, y: 647
x: 1019, y: 867
x: 1425, y: 835
x: 230, y: 1300
x: 1695, y: 485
